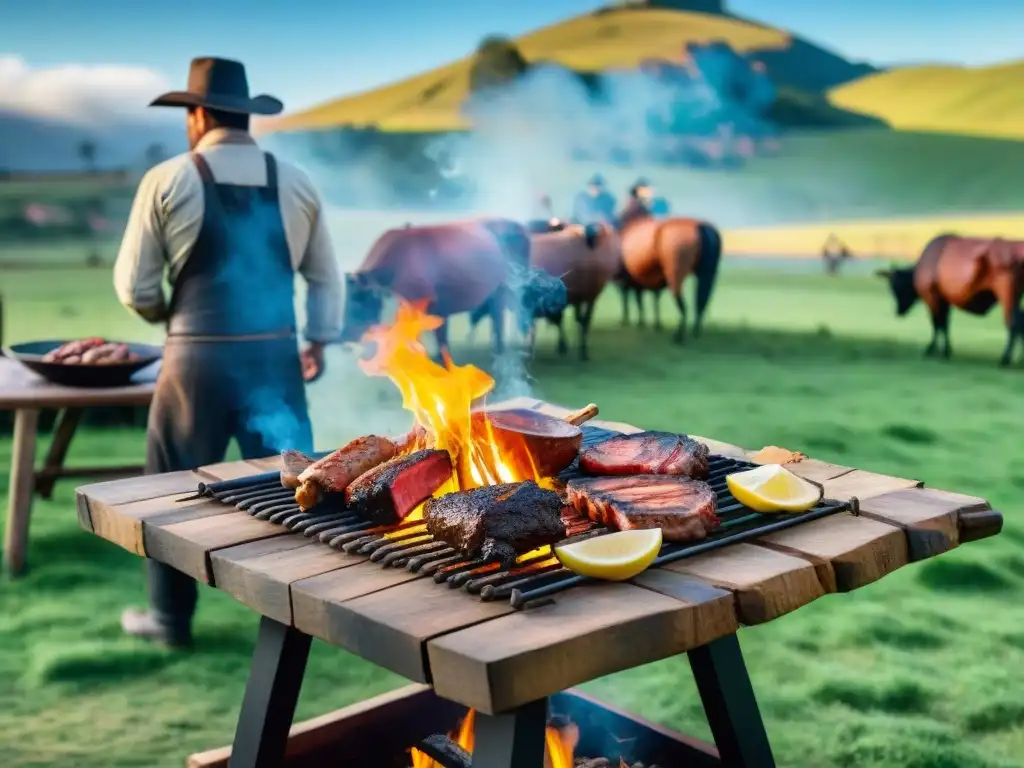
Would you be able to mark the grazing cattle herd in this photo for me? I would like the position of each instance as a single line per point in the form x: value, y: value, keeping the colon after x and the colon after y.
x: 539, y: 269
x: 536, y: 270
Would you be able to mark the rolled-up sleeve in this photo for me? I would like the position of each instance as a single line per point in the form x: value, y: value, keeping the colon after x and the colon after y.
x: 141, y: 260
x: 323, y: 283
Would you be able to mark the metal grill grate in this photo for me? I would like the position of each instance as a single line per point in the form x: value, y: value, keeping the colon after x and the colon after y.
x: 534, y: 580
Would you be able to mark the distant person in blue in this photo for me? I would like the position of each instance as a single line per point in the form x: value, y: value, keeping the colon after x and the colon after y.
x: 643, y: 193
x: 595, y: 204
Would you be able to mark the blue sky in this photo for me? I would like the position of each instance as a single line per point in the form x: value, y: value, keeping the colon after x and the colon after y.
x: 306, y: 51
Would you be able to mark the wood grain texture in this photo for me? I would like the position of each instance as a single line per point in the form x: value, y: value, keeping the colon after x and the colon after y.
x: 767, y: 584
x: 315, y: 600
x: 232, y: 470
x: 390, y: 626
x: 123, y: 524
x: 186, y: 544
x: 865, y: 485
x: 589, y: 632
x: 848, y: 552
x: 930, y: 518
x: 818, y: 471
x: 124, y: 491
x: 259, y: 574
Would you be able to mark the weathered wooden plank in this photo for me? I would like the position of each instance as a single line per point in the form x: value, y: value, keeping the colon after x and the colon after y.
x: 818, y: 471
x: 390, y: 626
x: 767, y: 583
x: 930, y: 518
x: 123, y: 524
x: 847, y: 551
x: 232, y: 470
x: 588, y: 632
x: 186, y: 544
x: 315, y: 599
x: 114, y: 492
x: 259, y: 574
x: 865, y: 485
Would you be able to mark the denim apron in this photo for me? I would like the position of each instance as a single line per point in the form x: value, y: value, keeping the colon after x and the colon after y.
x: 231, y: 364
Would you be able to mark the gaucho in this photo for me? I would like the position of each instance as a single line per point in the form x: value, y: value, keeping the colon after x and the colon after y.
x: 228, y: 226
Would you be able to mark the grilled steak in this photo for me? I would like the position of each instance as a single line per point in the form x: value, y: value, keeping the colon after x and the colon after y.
x: 497, y: 522
x: 647, y: 453
x: 335, y: 472
x: 295, y: 463
x: 388, y: 493
x: 684, y: 509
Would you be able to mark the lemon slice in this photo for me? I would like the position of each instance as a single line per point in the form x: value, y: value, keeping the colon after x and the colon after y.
x: 614, y: 556
x: 772, y: 488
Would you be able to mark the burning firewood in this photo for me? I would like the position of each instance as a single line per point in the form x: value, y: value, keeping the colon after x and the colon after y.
x: 446, y: 752
x: 497, y: 522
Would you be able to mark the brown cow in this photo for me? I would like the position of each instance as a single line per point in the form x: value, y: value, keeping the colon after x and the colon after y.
x: 659, y: 253
x: 456, y: 267
x: 972, y: 274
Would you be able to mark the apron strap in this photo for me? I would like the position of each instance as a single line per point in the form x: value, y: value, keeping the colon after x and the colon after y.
x: 270, y: 191
x: 204, y: 168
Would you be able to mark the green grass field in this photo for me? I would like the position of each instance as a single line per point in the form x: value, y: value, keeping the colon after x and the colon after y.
x: 924, y: 669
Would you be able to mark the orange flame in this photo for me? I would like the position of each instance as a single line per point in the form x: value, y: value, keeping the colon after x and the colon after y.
x: 441, y: 398
x: 559, y: 743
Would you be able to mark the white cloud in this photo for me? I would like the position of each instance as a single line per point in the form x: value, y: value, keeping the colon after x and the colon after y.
x: 91, y: 94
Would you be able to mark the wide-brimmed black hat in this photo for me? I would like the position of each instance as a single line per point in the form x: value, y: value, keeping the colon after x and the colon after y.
x: 219, y: 84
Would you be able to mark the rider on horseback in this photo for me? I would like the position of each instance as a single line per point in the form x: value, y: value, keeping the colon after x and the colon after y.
x: 595, y: 204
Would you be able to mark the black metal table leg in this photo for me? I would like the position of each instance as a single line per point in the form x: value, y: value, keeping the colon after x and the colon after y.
x: 729, y: 704
x: 512, y: 740
x: 278, y: 665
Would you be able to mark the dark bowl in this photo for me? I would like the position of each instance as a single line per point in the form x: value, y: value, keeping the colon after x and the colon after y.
x: 30, y: 354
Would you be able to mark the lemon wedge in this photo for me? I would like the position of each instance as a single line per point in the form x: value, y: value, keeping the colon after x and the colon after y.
x: 772, y: 488
x: 614, y: 556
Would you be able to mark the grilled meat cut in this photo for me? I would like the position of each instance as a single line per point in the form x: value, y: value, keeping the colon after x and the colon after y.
x: 388, y: 493
x: 647, y: 453
x: 336, y: 471
x: 497, y: 522
x: 94, y: 351
x: 295, y: 463
x: 684, y: 509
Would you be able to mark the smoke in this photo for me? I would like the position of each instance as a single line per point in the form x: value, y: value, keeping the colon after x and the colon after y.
x: 545, y: 133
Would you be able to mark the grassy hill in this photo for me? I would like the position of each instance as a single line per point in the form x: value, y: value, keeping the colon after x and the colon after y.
x: 609, y: 39
x: 981, y: 101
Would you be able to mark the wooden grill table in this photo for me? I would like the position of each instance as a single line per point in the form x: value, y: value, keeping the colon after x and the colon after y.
x: 25, y: 393
x: 505, y: 663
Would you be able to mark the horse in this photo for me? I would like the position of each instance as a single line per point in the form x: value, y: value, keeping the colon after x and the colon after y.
x: 457, y: 267
x: 582, y: 259
x: 972, y: 274
x: 660, y: 253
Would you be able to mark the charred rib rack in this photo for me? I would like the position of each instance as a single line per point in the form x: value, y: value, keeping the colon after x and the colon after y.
x: 532, y: 580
